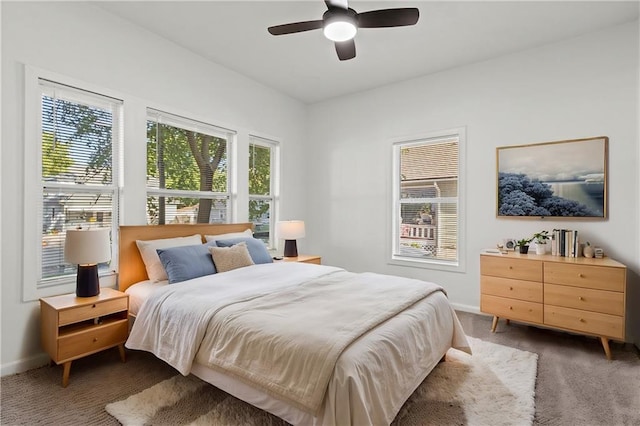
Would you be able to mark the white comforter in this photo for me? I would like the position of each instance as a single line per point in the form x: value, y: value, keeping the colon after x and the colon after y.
x: 181, y: 322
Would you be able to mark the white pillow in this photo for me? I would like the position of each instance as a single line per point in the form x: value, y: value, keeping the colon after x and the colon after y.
x: 245, y: 233
x: 147, y: 249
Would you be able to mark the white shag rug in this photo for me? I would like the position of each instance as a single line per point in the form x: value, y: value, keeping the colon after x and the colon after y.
x: 494, y: 386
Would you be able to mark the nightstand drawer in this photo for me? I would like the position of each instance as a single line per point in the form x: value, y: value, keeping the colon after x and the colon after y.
x: 515, y: 289
x: 588, y: 322
x: 596, y: 277
x: 90, y: 311
x: 607, y: 302
x: 511, y: 308
x: 506, y: 267
x: 92, y: 340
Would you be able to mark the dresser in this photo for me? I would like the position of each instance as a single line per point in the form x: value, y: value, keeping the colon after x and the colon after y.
x: 74, y: 327
x: 581, y: 295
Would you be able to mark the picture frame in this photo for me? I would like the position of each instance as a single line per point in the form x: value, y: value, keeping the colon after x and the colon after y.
x: 555, y: 180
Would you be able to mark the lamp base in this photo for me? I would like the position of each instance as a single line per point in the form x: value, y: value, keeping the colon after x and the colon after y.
x: 87, y: 282
x: 290, y: 248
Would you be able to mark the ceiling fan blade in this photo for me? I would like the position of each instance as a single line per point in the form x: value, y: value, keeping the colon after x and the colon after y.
x: 388, y: 18
x: 296, y: 27
x: 337, y: 3
x: 346, y: 49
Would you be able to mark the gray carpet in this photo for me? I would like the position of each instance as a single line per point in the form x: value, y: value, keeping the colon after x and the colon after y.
x: 576, y: 385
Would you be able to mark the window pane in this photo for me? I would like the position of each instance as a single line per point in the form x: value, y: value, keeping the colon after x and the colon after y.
x: 68, y: 210
x: 163, y: 210
x: 259, y: 215
x: 428, y: 204
x: 259, y: 170
x: 76, y: 142
x: 183, y: 159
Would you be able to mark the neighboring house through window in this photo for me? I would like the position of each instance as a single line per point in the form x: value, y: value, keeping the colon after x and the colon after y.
x: 263, y: 161
x: 188, y: 176
x: 428, y: 188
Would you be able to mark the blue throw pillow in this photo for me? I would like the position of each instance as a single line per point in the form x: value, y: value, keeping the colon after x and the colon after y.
x: 186, y: 262
x: 257, y: 249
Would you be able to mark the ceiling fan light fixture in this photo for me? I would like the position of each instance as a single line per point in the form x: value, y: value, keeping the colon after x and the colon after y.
x: 340, y: 30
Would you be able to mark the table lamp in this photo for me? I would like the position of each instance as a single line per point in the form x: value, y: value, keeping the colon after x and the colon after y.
x: 289, y: 231
x: 86, y: 248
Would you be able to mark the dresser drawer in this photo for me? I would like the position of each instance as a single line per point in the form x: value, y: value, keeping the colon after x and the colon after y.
x: 515, y: 289
x: 505, y: 267
x: 90, y: 311
x: 511, y: 308
x: 596, y: 277
x: 584, y: 321
x: 607, y: 302
x: 92, y: 340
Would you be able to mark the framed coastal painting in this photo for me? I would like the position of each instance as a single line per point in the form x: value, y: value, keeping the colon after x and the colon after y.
x: 564, y: 179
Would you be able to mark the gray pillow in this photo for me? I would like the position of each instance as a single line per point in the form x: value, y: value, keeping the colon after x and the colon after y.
x: 186, y: 262
x: 257, y: 249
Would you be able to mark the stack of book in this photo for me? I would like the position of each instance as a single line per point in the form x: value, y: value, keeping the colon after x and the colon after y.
x: 565, y: 242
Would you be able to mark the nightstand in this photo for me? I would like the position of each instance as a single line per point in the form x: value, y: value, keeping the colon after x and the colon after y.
x: 302, y: 258
x: 74, y: 327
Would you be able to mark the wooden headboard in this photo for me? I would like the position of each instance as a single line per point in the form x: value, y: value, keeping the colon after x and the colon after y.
x: 131, y: 267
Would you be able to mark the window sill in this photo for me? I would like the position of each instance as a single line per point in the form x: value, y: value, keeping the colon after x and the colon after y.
x: 427, y: 264
x: 64, y: 286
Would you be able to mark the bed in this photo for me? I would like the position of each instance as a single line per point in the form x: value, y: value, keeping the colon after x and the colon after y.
x: 354, y: 358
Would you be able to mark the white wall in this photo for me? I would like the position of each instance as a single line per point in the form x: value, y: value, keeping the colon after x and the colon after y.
x: 87, y: 44
x: 584, y: 87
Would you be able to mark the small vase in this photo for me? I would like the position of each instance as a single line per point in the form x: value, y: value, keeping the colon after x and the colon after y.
x: 524, y: 249
x: 588, y: 251
x: 541, y: 248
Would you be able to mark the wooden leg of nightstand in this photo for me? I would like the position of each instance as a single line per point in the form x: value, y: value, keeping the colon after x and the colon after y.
x: 605, y: 345
x: 65, y: 374
x: 494, y: 324
x: 121, y: 349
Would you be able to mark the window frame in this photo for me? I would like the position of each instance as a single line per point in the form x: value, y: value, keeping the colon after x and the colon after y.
x: 34, y: 286
x: 197, y: 125
x: 394, y: 229
x: 274, y: 182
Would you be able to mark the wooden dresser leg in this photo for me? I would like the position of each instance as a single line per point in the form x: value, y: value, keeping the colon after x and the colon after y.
x: 494, y: 324
x: 121, y: 349
x: 605, y: 345
x: 65, y: 374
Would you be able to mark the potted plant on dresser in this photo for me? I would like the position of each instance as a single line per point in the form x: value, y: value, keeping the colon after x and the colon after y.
x: 541, y: 239
x: 523, y: 245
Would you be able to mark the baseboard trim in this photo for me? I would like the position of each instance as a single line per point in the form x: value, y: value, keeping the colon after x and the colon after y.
x: 467, y: 308
x: 24, y: 364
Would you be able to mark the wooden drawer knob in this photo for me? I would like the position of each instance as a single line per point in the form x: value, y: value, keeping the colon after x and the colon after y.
x: 580, y: 276
x: 510, y: 288
x: 510, y: 267
x: 511, y: 308
x: 580, y: 298
x: 581, y: 319
x: 94, y: 305
x: 95, y: 339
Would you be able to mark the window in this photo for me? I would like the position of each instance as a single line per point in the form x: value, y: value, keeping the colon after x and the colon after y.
x: 73, y: 144
x: 187, y: 170
x: 262, y: 178
x: 427, y: 187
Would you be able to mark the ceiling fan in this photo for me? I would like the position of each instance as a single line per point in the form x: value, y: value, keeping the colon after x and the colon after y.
x: 340, y: 24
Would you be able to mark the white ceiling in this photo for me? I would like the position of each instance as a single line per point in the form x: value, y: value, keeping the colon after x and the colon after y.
x: 305, y: 66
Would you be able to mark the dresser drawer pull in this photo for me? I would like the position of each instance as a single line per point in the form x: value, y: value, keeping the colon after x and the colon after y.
x: 95, y: 339
x: 580, y: 298
x: 94, y: 305
x: 510, y: 288
x: 511, y: 308
x: 582, y: 320
x: 510, y: 267
x: 580, y: 276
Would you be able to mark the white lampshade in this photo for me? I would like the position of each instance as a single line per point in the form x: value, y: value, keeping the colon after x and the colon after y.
x: 87, y: 246
x: 290, y: 229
